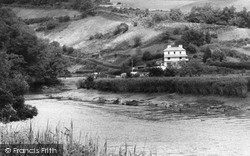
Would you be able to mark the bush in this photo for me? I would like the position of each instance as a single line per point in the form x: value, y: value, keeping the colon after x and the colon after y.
x: 177, y: 31
x: 165, y: 36
x: 137, y: 41
x: 218, y: 86
x: 37, y: 20
x: 52, y: 24
x: 86, y: 83
x: 120, y: 29
x: 27, y: 112
x: 156, y: 72
x: 192, y: 49
x: 170, y: 72
x: 64, y: 18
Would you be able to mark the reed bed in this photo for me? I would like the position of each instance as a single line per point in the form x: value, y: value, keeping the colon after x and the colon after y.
x: 72, y: 146
x: 225, y: 86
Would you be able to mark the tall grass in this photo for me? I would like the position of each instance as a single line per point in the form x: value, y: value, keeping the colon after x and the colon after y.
x: 72, y: 146
x: 225, y: 86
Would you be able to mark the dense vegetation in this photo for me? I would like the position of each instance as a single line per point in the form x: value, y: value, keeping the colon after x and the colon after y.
x: 225, y: 16
x: 25, y: 62
x: 196, y: 85
x: 233, y: 65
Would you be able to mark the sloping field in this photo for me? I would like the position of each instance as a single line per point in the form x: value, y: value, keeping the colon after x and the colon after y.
x: 184, y: 5
x: 78, y: 32
x: 242, y: 50
x: 236, y: 34
x: 37, y: 13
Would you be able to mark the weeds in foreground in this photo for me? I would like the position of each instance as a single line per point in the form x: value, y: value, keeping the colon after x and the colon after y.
x: 82, y: 146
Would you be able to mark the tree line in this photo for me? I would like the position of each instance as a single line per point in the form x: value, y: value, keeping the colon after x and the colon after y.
x: 25, y: 62
x: 226, y: 16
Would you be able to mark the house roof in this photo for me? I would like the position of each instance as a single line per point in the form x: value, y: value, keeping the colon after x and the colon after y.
x: 174, y: 49
x: 177, y: 55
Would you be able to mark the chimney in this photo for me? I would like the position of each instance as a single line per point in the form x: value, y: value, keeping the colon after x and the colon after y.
x: 169, y: 46
x: 180, y: 46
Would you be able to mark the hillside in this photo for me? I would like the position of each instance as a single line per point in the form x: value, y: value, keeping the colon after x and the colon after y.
x: 26, y: 13
x: 184, y: 5
x: 117, y: 49
x: 77, y: 34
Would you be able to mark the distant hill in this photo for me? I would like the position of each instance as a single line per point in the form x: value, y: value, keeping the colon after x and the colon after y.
x: 184, y: 5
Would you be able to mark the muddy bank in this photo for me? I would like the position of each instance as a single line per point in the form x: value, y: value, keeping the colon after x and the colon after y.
x: 169, y: 103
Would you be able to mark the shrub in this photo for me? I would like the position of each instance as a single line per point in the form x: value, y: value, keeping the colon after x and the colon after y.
x: 86, y: 83
x: 37, y: 20
x: 219, y: 86
x: 64, y: 18
x: 98, y: 36
x: 156, y: 72
x: 165, y: 36
x: 135, y: 24
x: 137, y: 41
x: 120, y: 29
x: 192, y: 49
x: 52, y: 24
x: 177, y: 31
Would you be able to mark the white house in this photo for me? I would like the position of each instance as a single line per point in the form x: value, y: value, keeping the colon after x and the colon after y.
x: 173, y: 55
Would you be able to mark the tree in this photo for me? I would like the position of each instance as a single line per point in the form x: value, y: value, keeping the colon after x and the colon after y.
x: 146, y: 56
x: 165, y: 36
x: 192, y: 49
x: 176, y: 15
x: 208, y: 37
x: 218, y: 56
x: 207, y: 54
x: 193, y: 36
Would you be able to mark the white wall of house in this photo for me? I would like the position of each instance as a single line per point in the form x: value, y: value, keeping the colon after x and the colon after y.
x: 172, y: 55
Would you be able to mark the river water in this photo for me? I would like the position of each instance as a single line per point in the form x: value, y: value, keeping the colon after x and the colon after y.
x: 170, y: 134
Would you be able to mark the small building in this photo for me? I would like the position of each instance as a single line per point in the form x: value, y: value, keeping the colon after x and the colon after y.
x: 173, y: 55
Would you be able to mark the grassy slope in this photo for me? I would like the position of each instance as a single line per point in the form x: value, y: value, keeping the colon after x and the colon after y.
x: 77, y: 33
x: 37, y: 13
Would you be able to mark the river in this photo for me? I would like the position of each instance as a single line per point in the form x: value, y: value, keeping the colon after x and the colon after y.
x: 170, y: 134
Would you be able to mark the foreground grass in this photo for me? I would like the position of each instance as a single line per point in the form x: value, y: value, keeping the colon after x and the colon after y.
x: 82, y: 146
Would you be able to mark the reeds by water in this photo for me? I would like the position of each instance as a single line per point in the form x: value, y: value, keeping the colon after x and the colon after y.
x: 225, y: 86
x: 72, y: 146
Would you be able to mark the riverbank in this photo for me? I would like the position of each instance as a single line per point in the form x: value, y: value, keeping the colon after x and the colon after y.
x: 170, y: 103
x: 197, y: 105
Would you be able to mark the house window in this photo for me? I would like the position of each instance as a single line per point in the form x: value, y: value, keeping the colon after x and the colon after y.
x: 180, y: 58
x: 168, y: 58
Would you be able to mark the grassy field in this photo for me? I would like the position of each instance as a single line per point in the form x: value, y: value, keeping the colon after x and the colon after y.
x: 25, y: 13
